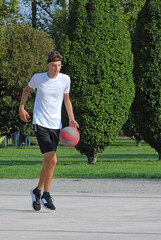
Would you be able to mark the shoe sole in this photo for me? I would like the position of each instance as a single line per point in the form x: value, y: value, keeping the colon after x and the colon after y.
x: 49, y: 209
x: 33, y: 198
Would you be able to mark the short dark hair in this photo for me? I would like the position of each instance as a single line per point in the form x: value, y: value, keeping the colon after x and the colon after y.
x: 54, y: 56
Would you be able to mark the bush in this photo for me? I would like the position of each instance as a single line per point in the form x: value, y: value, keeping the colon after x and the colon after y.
x: 23, y: 52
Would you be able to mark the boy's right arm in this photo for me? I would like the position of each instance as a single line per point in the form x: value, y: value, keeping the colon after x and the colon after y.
x: 24, y: 116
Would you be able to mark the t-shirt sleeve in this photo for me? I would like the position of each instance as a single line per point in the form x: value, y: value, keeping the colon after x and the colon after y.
x: 67, y: 88
x: 32, y: 83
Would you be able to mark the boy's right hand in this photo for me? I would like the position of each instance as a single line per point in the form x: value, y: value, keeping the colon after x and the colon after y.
x: 24, y: 116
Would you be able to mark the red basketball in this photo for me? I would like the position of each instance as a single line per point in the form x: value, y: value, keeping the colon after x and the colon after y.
x: 69, y: 136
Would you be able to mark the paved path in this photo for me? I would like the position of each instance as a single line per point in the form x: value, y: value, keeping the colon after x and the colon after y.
x: 87, y: 209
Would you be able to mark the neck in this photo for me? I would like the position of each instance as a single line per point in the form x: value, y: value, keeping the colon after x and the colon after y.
x: 51, y: 75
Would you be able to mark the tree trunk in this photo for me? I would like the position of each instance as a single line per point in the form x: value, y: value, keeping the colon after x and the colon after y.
x: 34, y: 13
x: 138, y: 142
x: 159, y: 156
x: 66, y: 5
x: 20, y: 140
x: 92, y: 159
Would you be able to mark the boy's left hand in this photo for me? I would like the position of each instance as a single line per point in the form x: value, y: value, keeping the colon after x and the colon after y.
x: 73, y: 123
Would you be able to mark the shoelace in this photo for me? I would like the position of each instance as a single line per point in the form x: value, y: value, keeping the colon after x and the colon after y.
x: 37, y: 196
x: 50, y: 199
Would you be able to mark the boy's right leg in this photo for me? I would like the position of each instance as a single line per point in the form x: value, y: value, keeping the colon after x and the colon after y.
x: 47, y: 170
x: 48, y: 141
x: 36, y: 194
x: 49, y: 164
x: 41, y: 179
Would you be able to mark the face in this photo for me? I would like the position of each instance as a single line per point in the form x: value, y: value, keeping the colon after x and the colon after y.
x: 54, y: 67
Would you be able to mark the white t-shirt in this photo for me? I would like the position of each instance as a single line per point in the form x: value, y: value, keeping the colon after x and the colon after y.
x: 49, y: 99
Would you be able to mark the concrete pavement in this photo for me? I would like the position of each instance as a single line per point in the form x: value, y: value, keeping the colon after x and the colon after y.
x: 91, y: 209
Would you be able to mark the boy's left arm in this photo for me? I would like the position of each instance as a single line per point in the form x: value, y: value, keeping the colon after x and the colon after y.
x: 69, y: 109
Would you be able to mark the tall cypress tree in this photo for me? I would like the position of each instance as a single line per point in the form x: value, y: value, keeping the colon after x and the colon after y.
x: 147, y: 74
x: 97, y: 56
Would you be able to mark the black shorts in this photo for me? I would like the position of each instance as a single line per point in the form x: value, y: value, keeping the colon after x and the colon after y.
x: 47, y: 138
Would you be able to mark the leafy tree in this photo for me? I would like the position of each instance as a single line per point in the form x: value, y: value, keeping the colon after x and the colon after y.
x: 129, y: 10
x: 8, y: 10
x: 97, y: 56
x: 42, y: 13
x: 147, y: 74
x: 23, y: 52
x: 49, y: 15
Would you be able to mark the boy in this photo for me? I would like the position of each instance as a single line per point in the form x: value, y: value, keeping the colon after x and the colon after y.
x: 52, y: 88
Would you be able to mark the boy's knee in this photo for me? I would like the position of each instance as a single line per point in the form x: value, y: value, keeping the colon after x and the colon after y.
x: 50, y: 158
x: 53, y: 161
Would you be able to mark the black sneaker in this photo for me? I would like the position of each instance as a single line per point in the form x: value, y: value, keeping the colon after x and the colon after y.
x: 47, y: 201
x: 36, y: 194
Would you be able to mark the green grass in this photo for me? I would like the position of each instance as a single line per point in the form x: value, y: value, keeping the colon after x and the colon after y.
x: 120, y: 160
